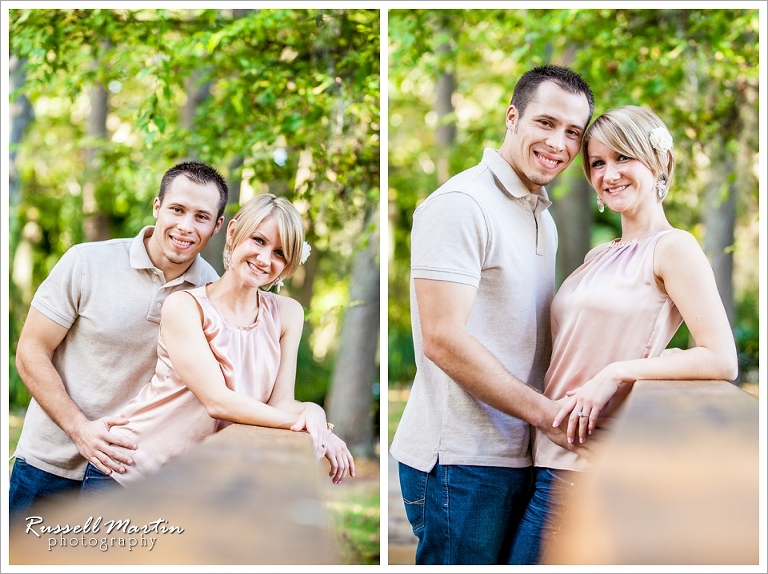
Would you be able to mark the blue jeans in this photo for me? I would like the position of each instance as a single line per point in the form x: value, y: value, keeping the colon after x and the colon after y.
x: 464, y: 514
x: 96, y: 484
x: 552, y: 494
x: 30, y: 485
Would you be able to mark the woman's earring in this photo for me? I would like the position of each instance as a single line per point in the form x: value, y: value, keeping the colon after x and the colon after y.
x: 600, y: 204
x: 661, y: 187
x: 227, y: 257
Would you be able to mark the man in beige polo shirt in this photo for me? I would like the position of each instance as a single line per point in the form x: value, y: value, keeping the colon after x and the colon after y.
x: 482, y: 280
x: 89, y: 342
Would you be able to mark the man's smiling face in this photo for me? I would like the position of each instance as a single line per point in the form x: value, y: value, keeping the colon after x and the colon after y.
x: 186, y: 220
x: 542, y: 142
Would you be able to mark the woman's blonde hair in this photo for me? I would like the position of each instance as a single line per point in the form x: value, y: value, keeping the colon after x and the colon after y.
x: 627, y: 130
x: 289, y: 224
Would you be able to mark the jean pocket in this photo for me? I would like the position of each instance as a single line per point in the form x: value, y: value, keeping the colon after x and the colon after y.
x: 413, y: 485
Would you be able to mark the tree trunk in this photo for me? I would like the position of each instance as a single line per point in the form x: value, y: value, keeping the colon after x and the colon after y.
x: 445, y: 134
x: 349, y: 403
x: 573, y: 216
x: 96, y: 223
x: 197, y: 91
x: 573, y: 211
x: 22, y: 115
x: 720, y: 220
x: 213, y: 251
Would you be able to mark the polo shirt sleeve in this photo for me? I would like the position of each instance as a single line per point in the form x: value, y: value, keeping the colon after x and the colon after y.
x: 59, y: 295
x: 449, y: 239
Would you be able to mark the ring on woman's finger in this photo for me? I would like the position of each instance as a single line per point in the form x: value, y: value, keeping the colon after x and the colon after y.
x: 581, y: 414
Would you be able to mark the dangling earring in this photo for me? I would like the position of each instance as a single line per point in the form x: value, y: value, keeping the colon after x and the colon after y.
x: 600, y: 204
x: 661, y: 187
x: 276, y: 283
x: 227, y: 257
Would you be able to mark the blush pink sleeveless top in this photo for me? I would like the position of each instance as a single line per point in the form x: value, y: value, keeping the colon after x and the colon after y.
x: 166, y: 418
x: 609, y: 309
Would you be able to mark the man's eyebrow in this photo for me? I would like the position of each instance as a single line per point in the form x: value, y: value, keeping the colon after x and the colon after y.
x: 558, y: 120
x: 177, y: 204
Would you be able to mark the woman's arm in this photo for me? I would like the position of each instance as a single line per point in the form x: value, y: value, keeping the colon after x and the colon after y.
x: 685, y: 274
x: 311, y: 417
x: 188, y: 349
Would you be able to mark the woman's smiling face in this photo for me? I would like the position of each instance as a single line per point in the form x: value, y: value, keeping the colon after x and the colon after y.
x: 623, y: 183
x: 259, y: 259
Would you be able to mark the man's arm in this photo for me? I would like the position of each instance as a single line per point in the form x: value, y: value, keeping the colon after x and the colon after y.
x: 39, y: 338
x: 444, y: 308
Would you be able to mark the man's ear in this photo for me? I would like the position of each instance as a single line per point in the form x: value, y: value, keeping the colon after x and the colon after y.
x: 217, y: 227
x: 155, y: 207
x: 512, y: 117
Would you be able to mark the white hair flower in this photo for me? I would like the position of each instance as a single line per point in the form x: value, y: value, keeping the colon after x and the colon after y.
x: 661, y: 139
x: 305, y: 251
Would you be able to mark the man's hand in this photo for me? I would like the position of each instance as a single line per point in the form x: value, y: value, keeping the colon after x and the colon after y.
x: 95, y: 443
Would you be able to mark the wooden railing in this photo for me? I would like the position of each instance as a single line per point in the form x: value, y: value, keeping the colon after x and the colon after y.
x: 247, y: 495
x: 676, y: 482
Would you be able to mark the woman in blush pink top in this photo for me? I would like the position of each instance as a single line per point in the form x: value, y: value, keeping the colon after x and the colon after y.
x: 227, y: 353
x: 613, y: 317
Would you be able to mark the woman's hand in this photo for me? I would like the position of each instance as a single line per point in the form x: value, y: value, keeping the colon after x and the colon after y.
x: 340, y: 458
x: 312, y: 419
x: 585, y: 403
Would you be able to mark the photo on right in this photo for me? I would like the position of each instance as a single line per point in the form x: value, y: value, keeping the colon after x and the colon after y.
x: 573, y: 280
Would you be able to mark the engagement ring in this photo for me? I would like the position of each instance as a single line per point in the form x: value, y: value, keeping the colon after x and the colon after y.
x: 583, y: 414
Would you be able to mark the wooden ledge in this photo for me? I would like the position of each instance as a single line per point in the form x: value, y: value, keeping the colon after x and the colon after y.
x: 246, y: 495
x: 676, y: 482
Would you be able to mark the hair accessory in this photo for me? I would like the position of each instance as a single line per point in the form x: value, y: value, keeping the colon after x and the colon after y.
x: 661, y: 139
x: 600, y: 204
x: 305, y: 251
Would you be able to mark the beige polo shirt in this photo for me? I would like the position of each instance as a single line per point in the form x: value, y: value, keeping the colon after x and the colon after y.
x: 109, y: 295
x: 481, y: 228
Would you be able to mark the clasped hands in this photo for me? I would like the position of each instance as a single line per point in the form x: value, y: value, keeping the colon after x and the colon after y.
x: 582, y: 406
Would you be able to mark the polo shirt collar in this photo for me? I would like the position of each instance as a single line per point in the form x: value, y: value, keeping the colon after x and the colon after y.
x: 140, y: 259
x: 509, y: 180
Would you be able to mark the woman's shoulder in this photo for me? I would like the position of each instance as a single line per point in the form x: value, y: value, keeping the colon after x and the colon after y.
x: 676, y: 242
x: 679, y: 251
x: 183, y: 298
x: 288, y: 303
x: 290, y: 309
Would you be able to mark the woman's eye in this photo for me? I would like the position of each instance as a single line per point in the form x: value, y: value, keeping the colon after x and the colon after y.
x: 624, y: 158
x: 597, y: 163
